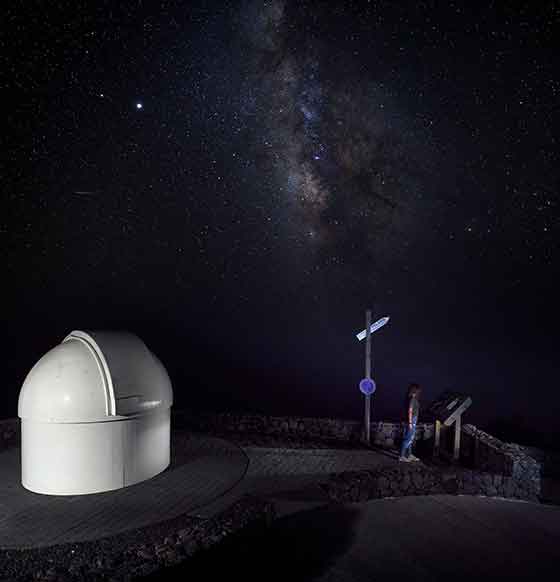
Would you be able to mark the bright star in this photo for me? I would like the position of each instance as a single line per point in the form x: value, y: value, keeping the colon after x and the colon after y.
x: 138, y: 105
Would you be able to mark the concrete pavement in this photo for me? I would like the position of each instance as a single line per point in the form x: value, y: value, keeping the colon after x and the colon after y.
x: 425, y: 538
x: 442, y: 537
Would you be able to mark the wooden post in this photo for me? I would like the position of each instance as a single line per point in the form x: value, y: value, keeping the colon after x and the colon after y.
x: 437, y: 438
x: 457, y: 443
x: 475, y: 452
x: 368, y: 374
x: 368, y: 343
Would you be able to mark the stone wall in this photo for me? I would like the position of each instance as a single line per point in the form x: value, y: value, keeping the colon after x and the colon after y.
x: 418, y: 479
x: 487, y: 454
x: 397, y: 481
x: 384, y: 434
x: 549, y: 460
x: 10, y: 432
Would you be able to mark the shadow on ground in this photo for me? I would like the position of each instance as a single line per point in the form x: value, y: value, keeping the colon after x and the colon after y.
x: 550, y: 491
x: 298, y: 548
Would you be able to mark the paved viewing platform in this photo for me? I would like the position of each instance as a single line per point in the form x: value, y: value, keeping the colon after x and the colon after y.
x: 202, y: 469
x: 206, y: 475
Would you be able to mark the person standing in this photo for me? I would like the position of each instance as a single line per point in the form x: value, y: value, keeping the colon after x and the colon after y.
x: 412, y: 410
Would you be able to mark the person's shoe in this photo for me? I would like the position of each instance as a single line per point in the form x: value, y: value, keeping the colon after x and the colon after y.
x: 405, y: 459
x: 413, y: 458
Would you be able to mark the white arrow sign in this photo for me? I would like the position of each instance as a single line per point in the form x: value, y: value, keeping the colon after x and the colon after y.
x: 374, y: 327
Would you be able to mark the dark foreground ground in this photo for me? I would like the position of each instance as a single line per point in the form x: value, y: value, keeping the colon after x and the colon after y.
x: 410, y: 538
x: 427, y: 538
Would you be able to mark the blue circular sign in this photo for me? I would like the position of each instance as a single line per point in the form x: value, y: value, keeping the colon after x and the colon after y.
x: 367, y: 386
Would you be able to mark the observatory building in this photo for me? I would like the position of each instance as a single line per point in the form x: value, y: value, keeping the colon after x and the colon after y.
x: 95, y: 415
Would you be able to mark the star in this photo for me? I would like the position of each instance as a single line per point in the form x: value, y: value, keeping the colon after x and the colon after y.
x: 138, y: 105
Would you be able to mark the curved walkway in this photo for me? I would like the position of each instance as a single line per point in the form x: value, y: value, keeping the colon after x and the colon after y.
x: 202, y: 469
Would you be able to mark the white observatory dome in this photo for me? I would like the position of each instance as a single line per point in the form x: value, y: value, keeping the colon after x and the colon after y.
x: 95, y: 415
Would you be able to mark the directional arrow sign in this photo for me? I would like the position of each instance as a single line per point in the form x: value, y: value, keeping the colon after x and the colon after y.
x: 374, y: 327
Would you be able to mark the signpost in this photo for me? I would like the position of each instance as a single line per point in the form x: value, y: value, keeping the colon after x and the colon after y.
x: 447, y: 409
x: 374, y: 327
x: 367, y: 385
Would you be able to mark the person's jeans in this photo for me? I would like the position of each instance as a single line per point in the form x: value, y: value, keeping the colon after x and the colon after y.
x: 408, y: 439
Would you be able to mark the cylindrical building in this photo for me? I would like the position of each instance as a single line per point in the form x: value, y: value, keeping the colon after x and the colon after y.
x: 95, y: 415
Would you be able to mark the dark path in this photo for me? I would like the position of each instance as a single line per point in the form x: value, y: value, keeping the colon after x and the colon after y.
x: 415, y: 538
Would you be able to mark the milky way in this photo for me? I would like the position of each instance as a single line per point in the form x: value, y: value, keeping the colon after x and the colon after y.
x: 354, y: 187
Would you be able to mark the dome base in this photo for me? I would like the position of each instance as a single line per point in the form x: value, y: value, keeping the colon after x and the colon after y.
x: 93, y: 457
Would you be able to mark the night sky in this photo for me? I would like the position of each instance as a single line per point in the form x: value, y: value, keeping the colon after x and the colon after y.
x: 237, y: 182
